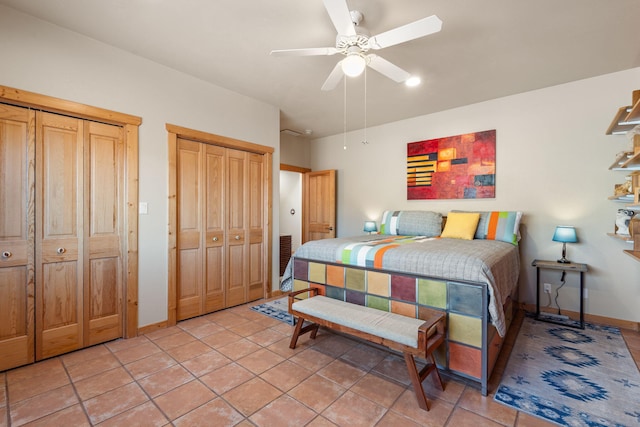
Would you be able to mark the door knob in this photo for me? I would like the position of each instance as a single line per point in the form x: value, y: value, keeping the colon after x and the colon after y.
x: 6, y: 254
x: 330, y: 228
x: 61, y: 250
x: 215, y: 239
x: 237, y: 237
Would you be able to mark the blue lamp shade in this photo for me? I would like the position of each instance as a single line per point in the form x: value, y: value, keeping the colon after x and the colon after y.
x: 370, y: 226
x: 565, y: 234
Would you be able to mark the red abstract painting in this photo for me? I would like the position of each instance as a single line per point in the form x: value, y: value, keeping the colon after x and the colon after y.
x: 455, y: 167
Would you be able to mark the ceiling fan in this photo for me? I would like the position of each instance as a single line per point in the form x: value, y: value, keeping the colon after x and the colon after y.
x: 354, y: 42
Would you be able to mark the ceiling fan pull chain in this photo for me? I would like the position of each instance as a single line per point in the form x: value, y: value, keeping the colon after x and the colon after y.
x: 365, y: 107
x: 345, y: 114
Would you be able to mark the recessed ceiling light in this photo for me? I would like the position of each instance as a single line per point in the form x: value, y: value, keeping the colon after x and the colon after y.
x: 412, y: 81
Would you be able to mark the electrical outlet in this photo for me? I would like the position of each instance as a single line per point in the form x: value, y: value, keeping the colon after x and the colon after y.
x: 547, y: 288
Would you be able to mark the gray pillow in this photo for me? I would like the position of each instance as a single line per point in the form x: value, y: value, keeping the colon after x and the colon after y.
x: 412, y: 223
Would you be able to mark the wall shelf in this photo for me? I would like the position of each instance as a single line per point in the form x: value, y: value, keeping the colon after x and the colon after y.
x: 621, y: 237
x: 626, y: 161
x: 622, y: 199
x: 633, y: 254
x: 626, y: 118
x: 624, y: 121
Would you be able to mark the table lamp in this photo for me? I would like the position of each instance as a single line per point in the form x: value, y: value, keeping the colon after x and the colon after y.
x: 565, y: 234
x: 370, y: 226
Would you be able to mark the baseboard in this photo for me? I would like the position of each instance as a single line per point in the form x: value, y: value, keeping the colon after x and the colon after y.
x: 591, y: 318
x: 153, y: 327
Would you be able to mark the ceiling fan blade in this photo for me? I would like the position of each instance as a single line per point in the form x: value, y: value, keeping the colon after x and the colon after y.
x: 387, y: 69
x: 334, y: 78
x: 339, y: 13
x: 305, y: 52
x: 414, y: 30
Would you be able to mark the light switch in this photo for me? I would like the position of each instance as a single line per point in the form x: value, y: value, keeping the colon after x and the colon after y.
x: 143, y: 208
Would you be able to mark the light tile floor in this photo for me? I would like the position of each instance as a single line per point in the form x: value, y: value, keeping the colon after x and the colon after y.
x: 234, y: 367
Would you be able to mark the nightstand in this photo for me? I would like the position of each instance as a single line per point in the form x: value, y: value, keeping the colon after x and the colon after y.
x: 566, y: 267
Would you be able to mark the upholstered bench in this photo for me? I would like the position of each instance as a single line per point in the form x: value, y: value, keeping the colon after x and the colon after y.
x: 412, y: 337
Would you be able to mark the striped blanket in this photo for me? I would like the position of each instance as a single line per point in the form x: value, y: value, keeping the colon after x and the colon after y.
x: 371, y: 253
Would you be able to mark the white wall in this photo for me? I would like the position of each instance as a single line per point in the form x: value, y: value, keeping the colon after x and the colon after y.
x: 552, y: 164
x: 295, y: 151
x: 46, y: 59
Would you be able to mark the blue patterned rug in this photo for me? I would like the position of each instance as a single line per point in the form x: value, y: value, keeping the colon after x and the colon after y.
x: 277, y: 309
x: 572, y: 377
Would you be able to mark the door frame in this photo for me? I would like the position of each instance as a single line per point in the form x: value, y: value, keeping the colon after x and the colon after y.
x: 174, y: 132
x: 130, y: 125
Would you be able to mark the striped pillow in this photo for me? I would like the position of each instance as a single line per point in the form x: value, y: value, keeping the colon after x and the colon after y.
x: 500, y: 225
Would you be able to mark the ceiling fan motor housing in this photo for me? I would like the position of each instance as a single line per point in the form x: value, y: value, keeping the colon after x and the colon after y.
x: 345, y: 43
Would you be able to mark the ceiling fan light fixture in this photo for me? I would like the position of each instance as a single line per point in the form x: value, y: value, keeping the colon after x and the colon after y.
x: 353, y: 65
x: 413, y: 81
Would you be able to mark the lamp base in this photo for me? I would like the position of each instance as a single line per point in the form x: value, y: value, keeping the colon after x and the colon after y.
x: 564, y: 259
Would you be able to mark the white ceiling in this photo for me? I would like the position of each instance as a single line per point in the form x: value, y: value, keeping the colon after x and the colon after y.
x: 486, y: 49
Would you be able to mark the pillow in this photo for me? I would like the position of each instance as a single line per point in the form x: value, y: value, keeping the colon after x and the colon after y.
x: 461, y: 225
x: 504, y: 226
x: 499, y: 225
x: 411, y: 223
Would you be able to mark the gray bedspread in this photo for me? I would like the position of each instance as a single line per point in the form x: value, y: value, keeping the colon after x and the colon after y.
x: 492, y: 262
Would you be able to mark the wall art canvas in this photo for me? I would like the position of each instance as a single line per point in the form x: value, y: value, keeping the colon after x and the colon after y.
x: 455, y: 167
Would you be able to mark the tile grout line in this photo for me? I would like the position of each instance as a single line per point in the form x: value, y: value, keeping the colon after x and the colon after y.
x: 75, y: 390
x: 139, y: 385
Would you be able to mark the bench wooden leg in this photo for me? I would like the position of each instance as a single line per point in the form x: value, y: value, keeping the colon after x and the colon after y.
x: 299, y: 330
x: 418, y: 377
x: 432, y: 366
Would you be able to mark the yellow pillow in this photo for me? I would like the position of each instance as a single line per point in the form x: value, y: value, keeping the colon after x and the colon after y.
x: 461, y: 225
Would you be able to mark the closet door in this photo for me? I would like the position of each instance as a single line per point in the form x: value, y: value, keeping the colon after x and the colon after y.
x: 190, y: 229
x: 103, y: 228
x: 59, y: 235
x: 17, y: 142
x: 237, y: 213
x: 214, y: 208
x: 201, y: 233
x: 255, y: 221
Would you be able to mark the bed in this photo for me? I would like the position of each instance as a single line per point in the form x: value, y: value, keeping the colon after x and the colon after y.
x: 467, y: 269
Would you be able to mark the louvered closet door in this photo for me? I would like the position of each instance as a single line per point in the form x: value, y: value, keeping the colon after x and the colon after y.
x: 59, y: 235
x: 17, y: 140
x: 103, y: 225
x: 237, y: 212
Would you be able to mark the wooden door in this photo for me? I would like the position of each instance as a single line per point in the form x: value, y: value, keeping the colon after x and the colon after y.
x: 319, y: 205
x: 237, y: 212
x: 256, y: 262
x: 103, y: 227
x: 68, y: 227
x: 190, y: 229
x: 201, y: 221
x: 233, y: 178
x: 59, y: 235
x: 17, y: 152
x: 214, y: 223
